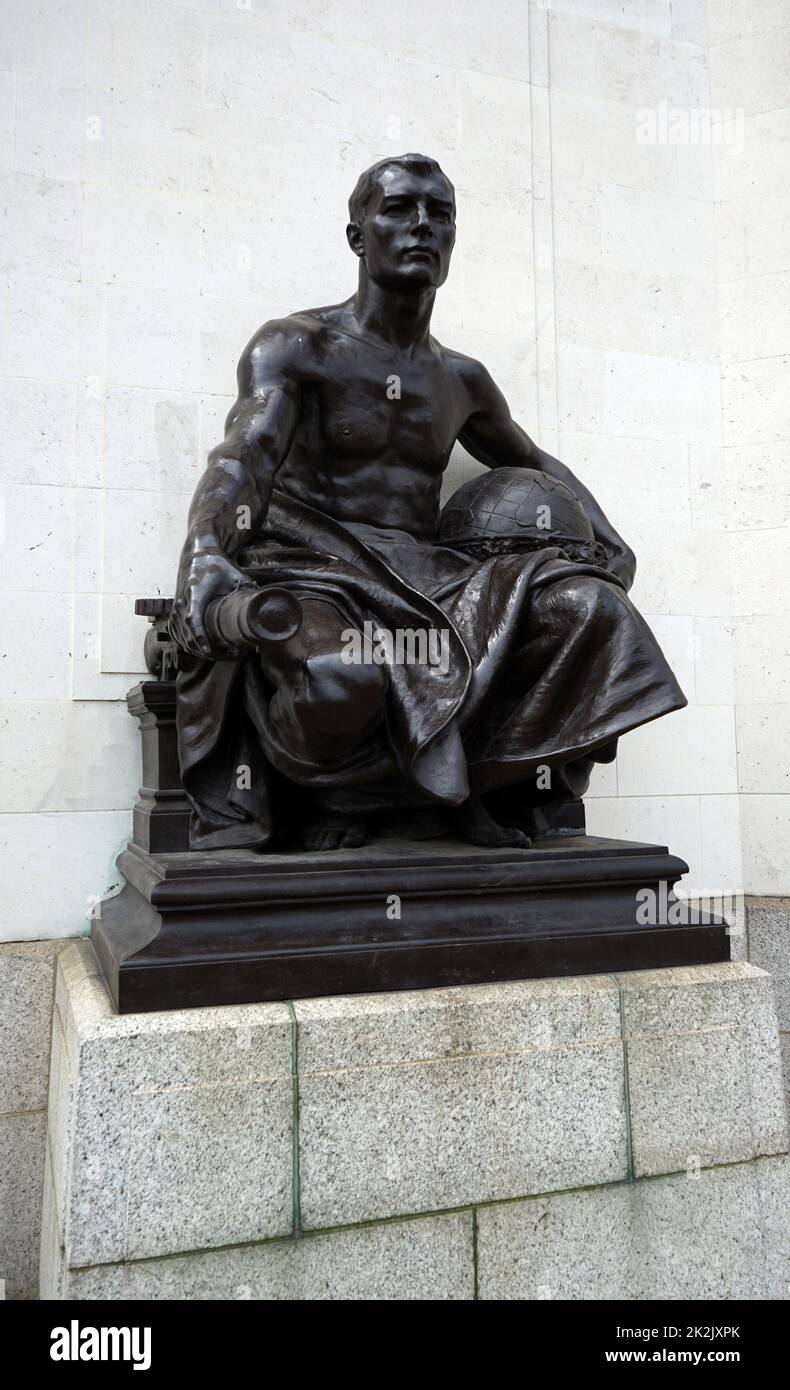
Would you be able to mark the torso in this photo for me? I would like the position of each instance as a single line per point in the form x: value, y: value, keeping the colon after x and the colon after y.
x: 376, y: 426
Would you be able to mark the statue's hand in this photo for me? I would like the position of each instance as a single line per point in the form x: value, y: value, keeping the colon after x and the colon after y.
x: 203, y: 576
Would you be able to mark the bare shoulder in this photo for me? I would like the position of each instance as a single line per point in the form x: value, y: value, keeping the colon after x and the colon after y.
x: 471, y: 375
x: 285, y: 349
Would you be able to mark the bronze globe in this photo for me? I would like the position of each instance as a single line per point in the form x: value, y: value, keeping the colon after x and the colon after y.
x: 509, y: 509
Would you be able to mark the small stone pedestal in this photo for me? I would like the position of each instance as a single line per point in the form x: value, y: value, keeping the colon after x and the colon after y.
x: 602, y: 1136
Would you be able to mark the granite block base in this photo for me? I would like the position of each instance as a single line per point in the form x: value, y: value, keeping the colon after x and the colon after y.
x: 582, y: 1137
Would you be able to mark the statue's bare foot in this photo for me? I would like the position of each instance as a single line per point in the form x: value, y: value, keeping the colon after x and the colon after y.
x: 333, y: 831
x: 541, y: 818
x: 472, y: 823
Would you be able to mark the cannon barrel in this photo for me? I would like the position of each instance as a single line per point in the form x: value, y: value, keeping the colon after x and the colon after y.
x: 247, y: 617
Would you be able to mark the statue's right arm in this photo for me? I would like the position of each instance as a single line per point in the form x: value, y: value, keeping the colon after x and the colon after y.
x: 232, y: 497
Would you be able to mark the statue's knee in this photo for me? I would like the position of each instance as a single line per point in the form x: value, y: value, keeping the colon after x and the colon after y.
x: 341, y: 699
x: 585, y: 596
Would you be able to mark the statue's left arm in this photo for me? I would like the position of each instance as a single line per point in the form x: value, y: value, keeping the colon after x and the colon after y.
x: 493, y: 437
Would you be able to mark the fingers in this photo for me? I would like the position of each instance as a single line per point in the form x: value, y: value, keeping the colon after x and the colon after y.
x: 188, y: 631
x: 200, y: 642
x: 206, y: 578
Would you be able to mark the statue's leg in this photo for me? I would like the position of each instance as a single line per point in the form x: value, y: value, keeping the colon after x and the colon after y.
x: 323, y: 707
x: 583, y: 649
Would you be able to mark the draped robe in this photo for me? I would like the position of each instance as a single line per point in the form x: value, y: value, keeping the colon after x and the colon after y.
x: 548, y: 664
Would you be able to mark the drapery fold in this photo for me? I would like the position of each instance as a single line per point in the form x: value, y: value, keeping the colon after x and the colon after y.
x: 549, y: 663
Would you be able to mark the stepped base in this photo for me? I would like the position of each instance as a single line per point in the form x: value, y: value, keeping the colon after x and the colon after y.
x: 233, y: 927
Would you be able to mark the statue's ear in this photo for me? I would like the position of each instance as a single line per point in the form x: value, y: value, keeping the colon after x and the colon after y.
x: 354, y: 235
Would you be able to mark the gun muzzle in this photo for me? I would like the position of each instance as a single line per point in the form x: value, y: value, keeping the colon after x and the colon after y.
x: 248, y: 617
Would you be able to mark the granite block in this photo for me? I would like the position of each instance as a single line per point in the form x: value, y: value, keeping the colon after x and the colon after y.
x: 141, y: 1124
x: 26, y: 991
x: 185, y: 1142
x: 428, y: 1259
x: 52, y: 1267
x: 22, y: 1147
x: 719, y: 1235
x: 704, y: 1069
x: 424, y: 1100
x: 769, y: 947
x: 61, y: 1116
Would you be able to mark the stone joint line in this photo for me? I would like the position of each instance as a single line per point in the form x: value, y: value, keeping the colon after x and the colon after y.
x: 297, y: 1180
x: 629, y: 1137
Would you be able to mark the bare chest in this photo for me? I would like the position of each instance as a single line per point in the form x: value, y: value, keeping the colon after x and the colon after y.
x: 371, y: 407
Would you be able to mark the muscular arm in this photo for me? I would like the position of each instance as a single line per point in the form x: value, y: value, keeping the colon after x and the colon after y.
x: 493, y: 437
x: 232, y: 497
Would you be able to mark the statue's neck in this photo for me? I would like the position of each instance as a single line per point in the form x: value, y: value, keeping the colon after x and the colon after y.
x: 401, y: 319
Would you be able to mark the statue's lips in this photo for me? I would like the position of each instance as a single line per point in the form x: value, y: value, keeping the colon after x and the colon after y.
x: 421, y: 253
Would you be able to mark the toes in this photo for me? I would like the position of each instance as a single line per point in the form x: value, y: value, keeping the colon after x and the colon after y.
x: 323, y: 838
x: 353, y: 838
x: 316, y: 838
x: 519, y: 840
x: 512, y: 839
x: 499, y: 839
x: 329, y: 837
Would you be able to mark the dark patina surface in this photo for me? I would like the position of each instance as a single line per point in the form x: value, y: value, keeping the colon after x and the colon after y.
x: 318, y: 519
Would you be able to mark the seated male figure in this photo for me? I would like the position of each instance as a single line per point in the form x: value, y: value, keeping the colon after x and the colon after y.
x: 327, y: 484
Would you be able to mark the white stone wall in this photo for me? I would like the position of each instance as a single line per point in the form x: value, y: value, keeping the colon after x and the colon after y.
x: 173, y: 174
x: 630, y: 385
x: 749, y: 477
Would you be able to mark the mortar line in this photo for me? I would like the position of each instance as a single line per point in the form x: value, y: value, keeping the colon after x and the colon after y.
x: 17, y: 1114
x: 475, y: 1260
x: 402, y: 1218
x: 296, y: 1178
x: 629, y: 1137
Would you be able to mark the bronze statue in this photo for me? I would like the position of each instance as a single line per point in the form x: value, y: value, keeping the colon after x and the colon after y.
x: 316, y: 544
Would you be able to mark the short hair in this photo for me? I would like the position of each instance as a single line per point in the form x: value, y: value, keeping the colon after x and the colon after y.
x: 416, y: 163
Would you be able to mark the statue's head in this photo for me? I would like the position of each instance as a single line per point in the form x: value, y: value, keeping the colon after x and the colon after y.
x: 403, y: 222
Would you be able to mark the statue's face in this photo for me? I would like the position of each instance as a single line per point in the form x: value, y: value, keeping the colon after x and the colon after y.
x: 408, y: 233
